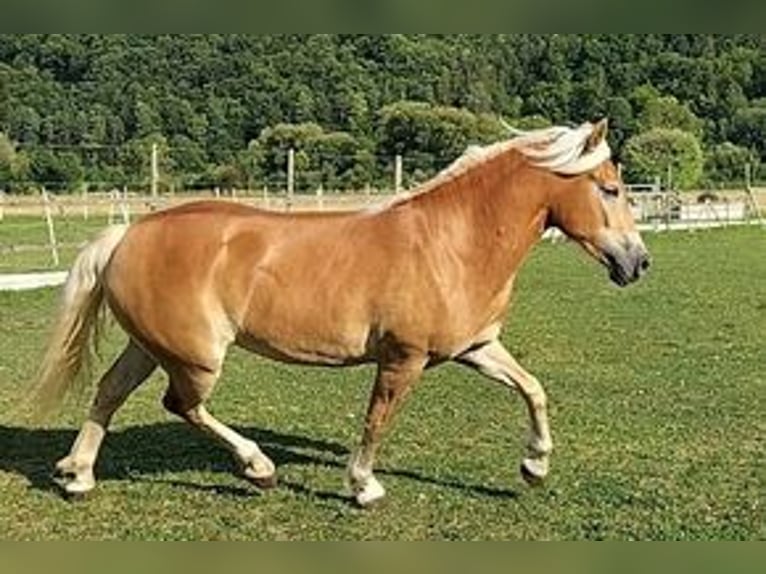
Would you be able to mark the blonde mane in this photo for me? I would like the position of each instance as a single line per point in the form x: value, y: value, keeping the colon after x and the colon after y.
x: 559, y: 149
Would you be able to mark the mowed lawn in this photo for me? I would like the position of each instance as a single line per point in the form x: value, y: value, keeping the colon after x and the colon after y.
x: 657, y: 403
x: 23, y: 241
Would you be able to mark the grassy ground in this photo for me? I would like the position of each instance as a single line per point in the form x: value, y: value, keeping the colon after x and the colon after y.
x: 18, y: 233
x: 658, y: 408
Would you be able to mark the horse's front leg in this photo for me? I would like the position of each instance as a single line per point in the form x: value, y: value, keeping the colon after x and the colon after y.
x: 393, y: 381
x: 495, y: 362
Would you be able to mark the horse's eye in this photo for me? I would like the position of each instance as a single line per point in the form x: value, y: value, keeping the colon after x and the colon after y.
x: 609, y: 189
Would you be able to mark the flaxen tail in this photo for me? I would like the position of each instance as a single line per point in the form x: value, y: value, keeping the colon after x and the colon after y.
x: 76, y: 330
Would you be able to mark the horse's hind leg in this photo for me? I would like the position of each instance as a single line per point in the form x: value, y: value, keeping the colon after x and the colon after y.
x: 130, y: 369
x: 189, y: 387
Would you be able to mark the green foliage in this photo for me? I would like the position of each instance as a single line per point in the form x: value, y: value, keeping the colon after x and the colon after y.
x: 209, y: 96
x: 135, y: 159
x: 727, y: 162
x: 667, y: 113
x: 661, y: 153
x: 332, y: 160
x: 622, y: 122
x: 58, y: 172
x: 430, y: 137
x: 14, y: 166
x: 532, y: 122
x: 749, y: 127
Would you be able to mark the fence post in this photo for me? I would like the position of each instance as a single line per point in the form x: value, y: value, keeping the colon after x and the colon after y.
x: 290, y: 177
x: 124, y: 206
x: 398, y: 174
x: 670, y: 178
x: 110, y: 217
x: 754, y: 206
x: 320, y: 197
x: 51, y: 230
x: 668, y: 209
x: 750, y: 196
x: 84, y: 199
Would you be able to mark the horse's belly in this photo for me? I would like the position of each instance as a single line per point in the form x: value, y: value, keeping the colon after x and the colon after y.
x: 314, y: 350
x: 303, y: 321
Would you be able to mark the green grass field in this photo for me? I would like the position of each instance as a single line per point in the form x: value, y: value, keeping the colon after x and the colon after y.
x: 658, y: 409
x: 18, y: 233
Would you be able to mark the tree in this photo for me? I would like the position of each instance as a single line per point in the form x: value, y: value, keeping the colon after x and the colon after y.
x: 532, y: 122
x: 58, y: 172
x: 430, y: 137
x: 667, y: 112
x: 726, y: 163
x: 273, y: 145
x: 328, y: 159
x: 188, y: 161
x: 749, y: 127
x: 24, y: 124
x: 621, y: 122
x: 332, y: 159
x: 658, y: 152
x: 14, y: 165
x: 229, y: 176
x: 135, y: 160
x: 96, y: 95
x: 550, y: 100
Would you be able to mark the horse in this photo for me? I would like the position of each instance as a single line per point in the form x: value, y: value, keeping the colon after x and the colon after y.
x: 406, y: 286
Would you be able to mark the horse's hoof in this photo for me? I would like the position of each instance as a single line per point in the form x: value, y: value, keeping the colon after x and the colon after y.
x: 263, y: 482
x: 72, y: 488
x: 532, y: 474
x: 74, y: 485
x: 371, y: 495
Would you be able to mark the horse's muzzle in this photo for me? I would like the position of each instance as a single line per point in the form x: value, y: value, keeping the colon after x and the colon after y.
x: 626, y: 265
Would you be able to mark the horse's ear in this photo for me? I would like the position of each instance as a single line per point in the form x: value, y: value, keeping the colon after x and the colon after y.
x: 597, y: 135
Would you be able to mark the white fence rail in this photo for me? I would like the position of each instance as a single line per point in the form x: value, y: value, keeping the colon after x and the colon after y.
x: 24, y: 281
x: 653, y: 210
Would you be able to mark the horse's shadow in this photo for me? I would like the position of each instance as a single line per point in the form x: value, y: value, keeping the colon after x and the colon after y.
x: 149, y: 453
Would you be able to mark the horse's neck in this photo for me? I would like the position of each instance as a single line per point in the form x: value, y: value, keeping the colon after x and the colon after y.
x: 491, y: 217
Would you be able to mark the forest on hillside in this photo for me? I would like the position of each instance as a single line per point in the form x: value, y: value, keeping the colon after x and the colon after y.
x: 224, y: 109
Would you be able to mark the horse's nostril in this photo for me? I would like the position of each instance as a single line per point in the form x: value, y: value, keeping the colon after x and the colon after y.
x: 645, y: 263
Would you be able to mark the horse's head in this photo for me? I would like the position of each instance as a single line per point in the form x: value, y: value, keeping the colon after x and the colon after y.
x: 589, y: 203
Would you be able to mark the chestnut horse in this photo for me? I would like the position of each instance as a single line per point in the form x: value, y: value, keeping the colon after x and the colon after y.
x: 420, y: 281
